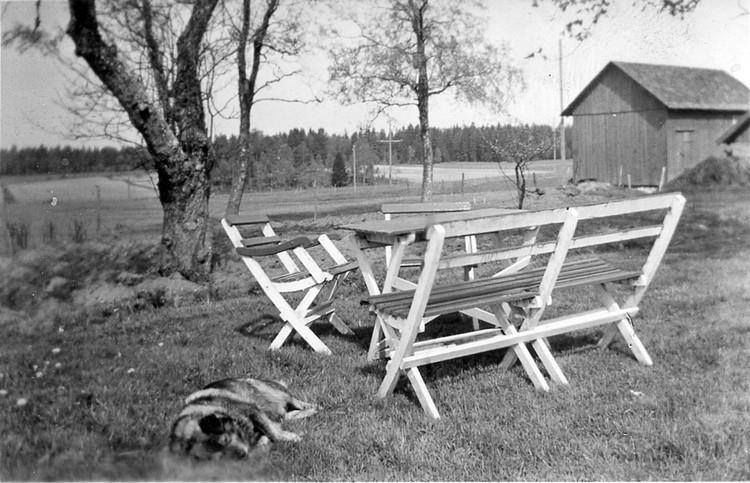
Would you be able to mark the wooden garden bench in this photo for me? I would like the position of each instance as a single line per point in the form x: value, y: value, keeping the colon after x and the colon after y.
x: 311, y: 280
x: 513, y: 303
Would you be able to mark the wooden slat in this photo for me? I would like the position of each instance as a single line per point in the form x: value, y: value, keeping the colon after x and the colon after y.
x: 550, y: 328
x: 511, y: 280
x: 343, y: 268
x: 514, y: 287
x: 622, y: 207
x: 266, y: 250
x: 500, y: 254
x: 494, y: 223
x: 259, y: 240
x: 431, y: 207
x: 239, y: 220
x: 321, y: 309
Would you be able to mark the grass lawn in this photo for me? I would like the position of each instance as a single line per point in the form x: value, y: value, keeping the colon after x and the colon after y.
x: 100, y: 397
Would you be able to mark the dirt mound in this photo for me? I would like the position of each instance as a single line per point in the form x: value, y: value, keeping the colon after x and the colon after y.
x: 86, y: 282
x: 728, y: 171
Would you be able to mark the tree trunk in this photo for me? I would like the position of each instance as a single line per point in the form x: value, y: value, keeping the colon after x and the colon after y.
x: 246, y: 89
x: 183, y: 159
x: 423, y: 97
x: 520, y: 184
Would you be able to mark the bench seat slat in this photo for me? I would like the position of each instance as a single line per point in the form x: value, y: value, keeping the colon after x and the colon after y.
x: 514, y: 287
x: 511, y: 279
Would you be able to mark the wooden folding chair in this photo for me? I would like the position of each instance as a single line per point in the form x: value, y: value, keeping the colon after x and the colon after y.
x: 311, y: 281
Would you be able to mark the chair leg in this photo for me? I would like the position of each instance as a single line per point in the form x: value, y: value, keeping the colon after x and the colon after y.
x: 296, y: 323
x: 339, y: 324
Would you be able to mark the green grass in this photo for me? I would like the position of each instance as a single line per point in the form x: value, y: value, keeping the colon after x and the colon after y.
x: 105, y: 411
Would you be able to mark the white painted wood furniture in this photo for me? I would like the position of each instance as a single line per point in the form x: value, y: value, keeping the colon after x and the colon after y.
x: 311, y: 280
x: 521, y: 295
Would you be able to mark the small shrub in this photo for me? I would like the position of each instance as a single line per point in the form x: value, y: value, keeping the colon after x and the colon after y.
x: 7, y: 195
x: 49, y: 232
x: 19, y: 235
x: 79, y: 231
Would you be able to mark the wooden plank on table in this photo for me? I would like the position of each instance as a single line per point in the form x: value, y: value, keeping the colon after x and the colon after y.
x: 429, y: 207
x: 373, y: 229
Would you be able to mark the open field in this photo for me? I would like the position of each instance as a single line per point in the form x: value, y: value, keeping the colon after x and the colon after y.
x: 544, y: 169
x: 108, y: 206
x: 100, y: 393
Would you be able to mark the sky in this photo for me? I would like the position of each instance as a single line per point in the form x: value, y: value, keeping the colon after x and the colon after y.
x: 716, y: 35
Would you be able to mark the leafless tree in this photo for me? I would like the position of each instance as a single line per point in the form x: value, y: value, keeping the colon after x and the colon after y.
x: 587, y: 13
x: 519, y: 152
x: 165, y: 107
x: 273, y: 32
x: 407, y: 51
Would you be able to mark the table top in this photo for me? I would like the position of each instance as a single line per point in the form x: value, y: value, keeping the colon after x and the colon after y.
x: 404, y: 225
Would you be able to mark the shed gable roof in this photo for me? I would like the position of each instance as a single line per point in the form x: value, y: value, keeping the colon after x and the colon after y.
x: 679, y: 87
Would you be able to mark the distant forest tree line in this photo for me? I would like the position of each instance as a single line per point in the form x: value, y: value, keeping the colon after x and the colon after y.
x: 297, y: 158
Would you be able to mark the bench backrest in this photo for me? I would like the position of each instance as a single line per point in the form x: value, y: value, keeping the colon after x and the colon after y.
x: 669, y: 205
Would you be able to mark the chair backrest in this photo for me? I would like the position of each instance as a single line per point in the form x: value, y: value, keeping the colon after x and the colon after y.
x: 261, y: 223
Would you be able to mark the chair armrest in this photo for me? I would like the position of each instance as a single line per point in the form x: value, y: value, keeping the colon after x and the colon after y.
x: 265, y: 250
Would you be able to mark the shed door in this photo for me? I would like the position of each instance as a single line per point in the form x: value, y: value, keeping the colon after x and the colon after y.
x: 683, y: 151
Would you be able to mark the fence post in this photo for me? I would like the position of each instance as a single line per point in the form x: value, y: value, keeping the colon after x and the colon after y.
x: 99, y: 209
x: 463, y: 180
x: 661, y: 179
x: 630, y: 186
x: 315, y: 194
x: 4, y: 223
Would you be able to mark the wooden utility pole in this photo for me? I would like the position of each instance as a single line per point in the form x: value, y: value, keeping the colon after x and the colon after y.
x: 562, y: 119
x: 354, y: 164
x: 390, y: 142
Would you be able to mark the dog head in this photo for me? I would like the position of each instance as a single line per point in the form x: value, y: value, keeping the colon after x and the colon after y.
x: 213, y: 435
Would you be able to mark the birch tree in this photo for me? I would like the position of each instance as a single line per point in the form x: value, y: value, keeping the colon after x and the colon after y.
x: 269, y: 33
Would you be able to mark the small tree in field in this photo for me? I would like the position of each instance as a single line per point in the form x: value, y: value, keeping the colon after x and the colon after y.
x: 339, y: 176
x: 408, y: 51
x: 526, y: 146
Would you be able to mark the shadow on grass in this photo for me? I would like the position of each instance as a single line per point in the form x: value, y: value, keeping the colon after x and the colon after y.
x: 266, y: 326
x: 574, y: 343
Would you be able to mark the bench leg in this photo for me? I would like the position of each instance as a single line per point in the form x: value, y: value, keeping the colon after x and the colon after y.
x: 374, y: 352
x: 420, y: 389
x: 624, y: 327
x: 521, y: 351
x: 549, y: 362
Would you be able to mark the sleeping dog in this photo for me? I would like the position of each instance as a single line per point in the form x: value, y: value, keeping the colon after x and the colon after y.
x: 228, y: 418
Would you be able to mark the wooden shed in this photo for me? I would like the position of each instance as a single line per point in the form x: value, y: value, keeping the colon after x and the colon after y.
x: 736, y: 140
x: 636, y: 119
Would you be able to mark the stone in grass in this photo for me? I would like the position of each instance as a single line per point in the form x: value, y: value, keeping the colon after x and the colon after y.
x: 172, y: 290
x: 59, y: 288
